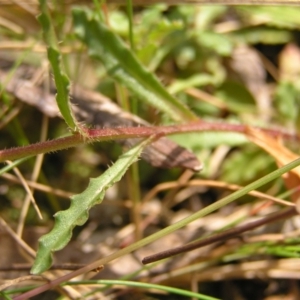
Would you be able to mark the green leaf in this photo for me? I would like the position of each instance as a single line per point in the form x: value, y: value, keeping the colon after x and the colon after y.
x: 124, y: 67
x: 157, y: 41
x: 206, y: 140
x: 236, y: 168
x: 118, y: 21
x: 207, y: 15
x: 237, y: 97
x: 282, y: 17
x: 215, y: 76
x: 195, y: 80
x: 219, y: 43
x: 287, y: 101
x: 77, y: 213
x: 61, y: 80
x: 261, y: 34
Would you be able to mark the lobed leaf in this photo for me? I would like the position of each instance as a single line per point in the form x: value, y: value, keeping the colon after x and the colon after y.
x: 77, y: 213
x: 61, y: 80
x: 124, y: 67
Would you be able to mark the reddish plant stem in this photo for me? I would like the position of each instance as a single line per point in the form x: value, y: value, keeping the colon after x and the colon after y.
x: 92, y: 135
x: 42, y: 147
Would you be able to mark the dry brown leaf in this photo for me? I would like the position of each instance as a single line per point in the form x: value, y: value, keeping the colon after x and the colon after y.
x: 289, y: 63
x: 247, y: 66
x: 280, y: 153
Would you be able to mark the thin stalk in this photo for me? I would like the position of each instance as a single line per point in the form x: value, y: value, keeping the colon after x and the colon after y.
x: 42, y: 147
x: 145, y: 285
x: 122, y: 97
x: 27, y: 189
x: 12, y: 165
x: 17, y: 132
x: 34, y: 177
x: 15, y: 66
x: 133, y: 174
x: 98, y: 8
x: 136, y: 199
x: 130, y: 19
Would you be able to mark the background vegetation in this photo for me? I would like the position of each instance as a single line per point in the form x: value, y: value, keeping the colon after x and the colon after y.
x: 234, y: 68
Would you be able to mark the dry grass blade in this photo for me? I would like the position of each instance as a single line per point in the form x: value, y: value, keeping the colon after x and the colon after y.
x: 9, y: 283
x: 201, y: 95
x: 34, y: 177
x: 39, y: 186
x: 26, y: 187
x: 19, y: 241
x: 212, y: 183
x: 11, y: 115
x: 281, y: 268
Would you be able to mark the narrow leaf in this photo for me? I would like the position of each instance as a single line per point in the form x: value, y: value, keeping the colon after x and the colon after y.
x: 61, y: 80
x: 272, y: 15
x: 124, y: 67
x: 77, y: 213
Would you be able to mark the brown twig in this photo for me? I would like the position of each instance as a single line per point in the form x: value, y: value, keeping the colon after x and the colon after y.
x: 227, y: 234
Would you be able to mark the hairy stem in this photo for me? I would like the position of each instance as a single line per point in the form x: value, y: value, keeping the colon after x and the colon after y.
x: 105, y: 134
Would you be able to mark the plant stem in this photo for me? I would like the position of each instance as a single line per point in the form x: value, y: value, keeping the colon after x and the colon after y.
x: 105, y: 134
x: 130, y: 19
x: 42, y: 147
x: 136, y: 200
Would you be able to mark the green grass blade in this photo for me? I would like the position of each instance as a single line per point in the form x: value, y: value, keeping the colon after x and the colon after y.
x: 130, y: 19
x: 123, y: 66
x: 12, y: 165
x: 144, y: 285
x: 61, y: 80
x: 77, y: 213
